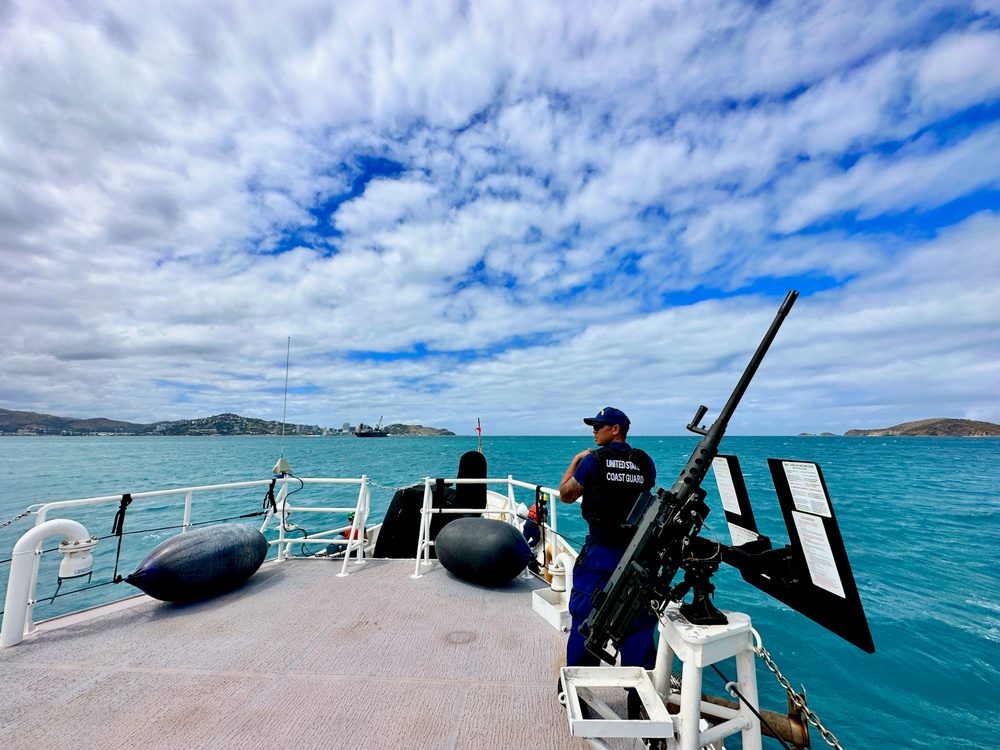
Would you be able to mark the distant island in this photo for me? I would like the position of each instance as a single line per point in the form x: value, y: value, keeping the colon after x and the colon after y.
x: 411, y: 430
x: 29, y: 423
x: 939, y: 427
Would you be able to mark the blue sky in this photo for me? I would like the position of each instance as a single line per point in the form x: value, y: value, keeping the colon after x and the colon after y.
x: 519, y: 212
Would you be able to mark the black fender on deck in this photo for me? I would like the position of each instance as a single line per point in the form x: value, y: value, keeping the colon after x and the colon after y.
x: 200, y: 564
x: 483, y: 550
x: 400, y: 530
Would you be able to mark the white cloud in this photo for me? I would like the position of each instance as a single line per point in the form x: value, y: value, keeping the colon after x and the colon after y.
x: 383, y: 204
x: 921, y: 176
x: 960, y: 71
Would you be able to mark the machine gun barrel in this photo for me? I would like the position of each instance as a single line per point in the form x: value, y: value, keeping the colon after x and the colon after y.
x: 671, y: 519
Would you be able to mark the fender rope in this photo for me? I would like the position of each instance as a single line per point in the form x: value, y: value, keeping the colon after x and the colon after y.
x: 116, y: 530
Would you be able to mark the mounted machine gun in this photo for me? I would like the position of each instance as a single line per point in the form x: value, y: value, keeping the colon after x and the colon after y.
x: 667, y: 523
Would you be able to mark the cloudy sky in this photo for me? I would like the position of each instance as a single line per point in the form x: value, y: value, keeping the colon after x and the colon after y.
x: 512, y: 211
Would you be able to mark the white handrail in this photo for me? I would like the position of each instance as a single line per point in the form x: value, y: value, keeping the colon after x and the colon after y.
x: 20, y: 583
x: 352, y: 546
x: 44, y: 508
x: 41, y: 511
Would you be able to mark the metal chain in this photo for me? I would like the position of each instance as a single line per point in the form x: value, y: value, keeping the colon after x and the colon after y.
x: 393, y: 489
x: 796, y: 699
x: 15, y: 518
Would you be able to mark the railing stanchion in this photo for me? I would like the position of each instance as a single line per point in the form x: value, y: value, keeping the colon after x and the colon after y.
x: 188, y: 501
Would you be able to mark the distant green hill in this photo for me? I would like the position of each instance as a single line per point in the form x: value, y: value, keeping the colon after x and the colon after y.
x: 411, y: 430
x: 32, y: 423
x: 939, y: 427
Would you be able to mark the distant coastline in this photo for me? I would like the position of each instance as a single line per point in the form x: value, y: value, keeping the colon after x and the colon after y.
x: 937, y: 427
x: 32, y: 424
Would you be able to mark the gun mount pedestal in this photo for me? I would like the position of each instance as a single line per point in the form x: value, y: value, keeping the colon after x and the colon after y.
x: 697, y: 647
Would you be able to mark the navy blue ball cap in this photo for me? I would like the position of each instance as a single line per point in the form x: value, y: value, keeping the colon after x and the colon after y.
x: 609, y: 415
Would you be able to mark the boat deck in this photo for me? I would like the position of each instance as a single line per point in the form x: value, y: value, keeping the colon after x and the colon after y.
x: 297, y: 658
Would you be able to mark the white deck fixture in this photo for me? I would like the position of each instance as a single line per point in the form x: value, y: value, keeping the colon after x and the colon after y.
x: 561, y: 571
x: 553, y: 603
x: 24, y: 561
x: 697, y: 647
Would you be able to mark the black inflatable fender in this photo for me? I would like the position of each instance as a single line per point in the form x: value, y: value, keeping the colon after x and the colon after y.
x: 200, y: 564
x: 482, y: 550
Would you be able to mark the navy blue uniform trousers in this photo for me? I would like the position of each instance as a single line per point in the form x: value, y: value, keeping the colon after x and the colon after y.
x: 591, y: 573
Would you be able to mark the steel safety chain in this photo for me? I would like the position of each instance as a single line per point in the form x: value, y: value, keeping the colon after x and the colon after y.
x: 15, y: 518
x: 797, y: 699
x: 393, y: 489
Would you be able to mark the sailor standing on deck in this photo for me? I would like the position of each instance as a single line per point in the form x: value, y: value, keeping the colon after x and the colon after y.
x: 610, y: 479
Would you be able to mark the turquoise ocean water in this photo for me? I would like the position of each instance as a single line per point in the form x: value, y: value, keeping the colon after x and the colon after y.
x: 918, y: 515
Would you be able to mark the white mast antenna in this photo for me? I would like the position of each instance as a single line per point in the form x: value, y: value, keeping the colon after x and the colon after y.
x: 282, y: 468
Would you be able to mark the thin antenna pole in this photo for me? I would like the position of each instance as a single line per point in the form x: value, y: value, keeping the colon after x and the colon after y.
x: 284, y: 413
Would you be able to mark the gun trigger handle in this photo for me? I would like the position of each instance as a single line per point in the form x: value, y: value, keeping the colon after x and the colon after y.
x: 693, y: 425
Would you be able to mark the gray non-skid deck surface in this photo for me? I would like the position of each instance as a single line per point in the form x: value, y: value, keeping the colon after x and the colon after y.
x: 298, y: 658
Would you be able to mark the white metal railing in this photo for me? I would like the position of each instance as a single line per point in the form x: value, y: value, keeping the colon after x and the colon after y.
x: 351, y: 536
x: 355, y: 541
x: 23, y: 578
x: 41, y: 509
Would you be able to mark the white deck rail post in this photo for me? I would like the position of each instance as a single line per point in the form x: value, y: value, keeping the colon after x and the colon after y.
x: 188, y: 502
x: 281, y: 503
x: 356, y: 536
x: 424, y: 540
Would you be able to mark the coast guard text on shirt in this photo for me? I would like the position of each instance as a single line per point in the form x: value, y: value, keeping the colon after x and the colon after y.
x: 633, y: 478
